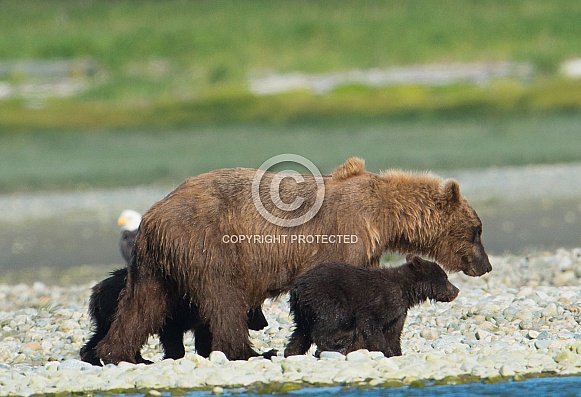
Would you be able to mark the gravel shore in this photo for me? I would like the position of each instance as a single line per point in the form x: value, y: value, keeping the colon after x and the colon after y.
x: 523, y: 318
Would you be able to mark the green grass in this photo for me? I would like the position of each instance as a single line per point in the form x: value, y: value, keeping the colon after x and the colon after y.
x: 348, y: 104
x: 53, y: 160
x: 223, y: 40
x: 174, y: 63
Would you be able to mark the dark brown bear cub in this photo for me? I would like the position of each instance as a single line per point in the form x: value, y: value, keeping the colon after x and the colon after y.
x: 343, y: 308
x: 184, y: 317
x: 103, y: 305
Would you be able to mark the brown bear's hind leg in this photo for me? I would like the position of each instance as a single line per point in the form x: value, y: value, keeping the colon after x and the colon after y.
x: 141, y: 313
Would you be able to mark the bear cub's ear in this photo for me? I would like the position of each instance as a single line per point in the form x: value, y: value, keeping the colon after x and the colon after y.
x: 416, y: 261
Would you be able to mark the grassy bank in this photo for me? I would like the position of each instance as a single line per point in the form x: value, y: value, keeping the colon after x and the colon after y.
x: 348, y: 104
x: 58, y: 160
x: 150, y: 64
x: 221, y: 41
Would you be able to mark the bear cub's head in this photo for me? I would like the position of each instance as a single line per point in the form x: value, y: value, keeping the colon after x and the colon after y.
x: 431, y: 282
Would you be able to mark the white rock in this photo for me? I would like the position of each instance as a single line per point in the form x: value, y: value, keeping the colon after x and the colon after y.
x: 564, y: 278
x: 429, y: 334
x: 483, y: 334
x: 218, y: 357
x: 358, y: 355
x: 532, y: 334
x: 327, y: 355
x: 216, y: 378
x: 507, y: 370
x: 375, y: 355
x: 542, y: 344
x: 299, y: 358
x: 550, y: 310
x: 544, y: 335
x: 74, y: 364
x: 566, y: 263
x: 356, y: 373
x: 386, y: 365
x: 191, y: 381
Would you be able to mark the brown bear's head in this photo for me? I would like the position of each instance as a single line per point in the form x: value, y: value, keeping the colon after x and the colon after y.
x: 459, y: 247
x: 430, y: 281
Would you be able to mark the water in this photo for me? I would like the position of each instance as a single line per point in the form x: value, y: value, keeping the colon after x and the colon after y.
x: 537, y: 387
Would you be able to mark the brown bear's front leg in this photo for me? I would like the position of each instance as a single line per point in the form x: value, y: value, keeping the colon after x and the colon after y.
x: 141, y: 313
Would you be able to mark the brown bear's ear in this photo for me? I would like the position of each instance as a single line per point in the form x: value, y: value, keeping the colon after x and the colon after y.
x: 452, y: 192
x: 352, y: 167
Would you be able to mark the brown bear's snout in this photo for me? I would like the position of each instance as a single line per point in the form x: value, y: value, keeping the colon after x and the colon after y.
x: 479, y: 265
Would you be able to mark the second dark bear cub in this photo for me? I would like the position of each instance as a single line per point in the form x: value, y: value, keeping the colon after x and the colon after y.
x: 103, y: 305
x: 343, y: 308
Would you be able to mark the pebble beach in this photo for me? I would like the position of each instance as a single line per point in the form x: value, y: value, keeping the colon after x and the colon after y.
x: 522, y: 319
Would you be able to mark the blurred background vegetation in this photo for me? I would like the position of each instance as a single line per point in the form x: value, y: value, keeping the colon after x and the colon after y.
x: 108, y: 93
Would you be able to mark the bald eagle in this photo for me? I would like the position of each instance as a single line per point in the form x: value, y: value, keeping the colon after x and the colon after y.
x: 129, y: 221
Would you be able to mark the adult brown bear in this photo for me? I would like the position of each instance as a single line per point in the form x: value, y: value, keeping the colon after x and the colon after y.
x: 208, y: 240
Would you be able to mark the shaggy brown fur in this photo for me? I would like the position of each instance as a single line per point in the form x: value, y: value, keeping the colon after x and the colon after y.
x: 343, y: 308
x: 181, y: 245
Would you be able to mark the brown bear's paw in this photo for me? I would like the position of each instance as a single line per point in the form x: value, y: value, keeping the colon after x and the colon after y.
x: 110, y: 356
